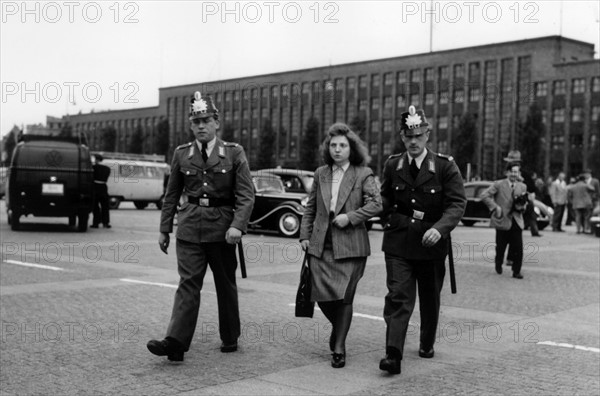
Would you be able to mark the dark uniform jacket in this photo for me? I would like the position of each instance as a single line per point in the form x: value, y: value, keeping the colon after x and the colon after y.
x: 101, y: 172
x: 224, y: 180
x: 411, y: 207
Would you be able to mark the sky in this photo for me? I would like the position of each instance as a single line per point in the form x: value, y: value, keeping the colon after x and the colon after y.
x: 59, y: 58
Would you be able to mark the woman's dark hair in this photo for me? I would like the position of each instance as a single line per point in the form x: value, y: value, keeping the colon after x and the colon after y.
x: 359, y: 156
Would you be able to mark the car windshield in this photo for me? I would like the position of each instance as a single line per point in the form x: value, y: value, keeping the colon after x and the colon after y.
x: 263, y: 184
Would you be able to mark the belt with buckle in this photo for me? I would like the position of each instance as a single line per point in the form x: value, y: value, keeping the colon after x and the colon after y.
x: 415, y: 214
x: 210, y: 202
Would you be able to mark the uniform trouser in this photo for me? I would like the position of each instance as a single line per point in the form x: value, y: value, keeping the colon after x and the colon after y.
x: 514, y: 238
x: 403, y: 277
x: 192, y: 261
x: 100, y: 208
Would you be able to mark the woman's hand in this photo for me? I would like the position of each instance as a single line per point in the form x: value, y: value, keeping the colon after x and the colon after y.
x: 341, y: 220
x: 304, y: 243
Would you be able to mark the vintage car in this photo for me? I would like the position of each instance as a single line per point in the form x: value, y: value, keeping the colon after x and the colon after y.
x: 477, y: 211
x: 275, y: 208
x: 294, y: 180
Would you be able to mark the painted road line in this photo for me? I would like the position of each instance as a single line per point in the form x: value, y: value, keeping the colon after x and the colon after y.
x: 159, y: 284
x: 354, y: 314
x: 565, y: 345
x: 41, y: 266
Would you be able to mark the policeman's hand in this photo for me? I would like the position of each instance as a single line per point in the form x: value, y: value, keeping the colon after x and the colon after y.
x: 498, y: 212
x: 341, y: 220
x: 304, y: 244
x: 431, y: 237
x: 163, y: 242
x: 233, y: 235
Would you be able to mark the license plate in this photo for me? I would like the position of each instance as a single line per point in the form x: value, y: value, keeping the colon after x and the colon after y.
x: 53, y: 189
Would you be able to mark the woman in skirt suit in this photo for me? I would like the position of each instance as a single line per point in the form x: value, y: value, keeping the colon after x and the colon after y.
x: 333, y: 233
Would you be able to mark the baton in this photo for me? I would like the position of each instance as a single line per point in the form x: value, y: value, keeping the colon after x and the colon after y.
x: 451, y: 266
x: 242, y: 259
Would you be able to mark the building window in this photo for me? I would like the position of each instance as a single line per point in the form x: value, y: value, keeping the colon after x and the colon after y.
x: 544, y: 116
x: 595, y: 113
x: 443, y: 70
x: 388, y: 79
x: 401, y: 101
x: 375, y: 104
x: 362, y: 105
x: 236, y: 96
x: 274, y: 92
x: 560, y: 87
x: 596, y: 84
x: 414, y: 100
x: 387, y: 102
x: 227, y: 97
x: 305, y: 88
x: 351, y: 83
x: 459, y: 71
x: 474, y: 95
x: 558, y: 115
x: 429, y: 99
x: 443, y: 97
x: 401, y: 77
x: 264, y: 93
x: 541, y: 89
x: 236, y: 115
x: 443, y: 122
x: 459, y: 96
x: 374, y: 149
x: 577, y: 114
x: 415, y: 76
x: 362, y: 81
x: 387, y: 148
x: 264, y: 113
x: 387, y: 126
x: 557, y: 141
x: 442, y: 146
x: 255, y: 113
x: 375, y: 80
x: 374, y: 126
x: 244, y: 115
x: 429, y: 74
x: 578, y: 85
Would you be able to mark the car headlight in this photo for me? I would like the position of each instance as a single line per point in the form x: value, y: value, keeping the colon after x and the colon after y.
x: 304, y: 201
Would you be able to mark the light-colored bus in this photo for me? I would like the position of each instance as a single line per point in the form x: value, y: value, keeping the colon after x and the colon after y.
x: 137, y: 178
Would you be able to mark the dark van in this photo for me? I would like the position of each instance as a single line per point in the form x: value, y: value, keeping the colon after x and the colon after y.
x: 50, y: 177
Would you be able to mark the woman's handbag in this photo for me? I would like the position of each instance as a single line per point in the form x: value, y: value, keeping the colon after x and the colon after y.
x: 304, y: 307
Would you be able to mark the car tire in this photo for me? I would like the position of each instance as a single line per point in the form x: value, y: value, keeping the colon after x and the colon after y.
x: 114, y: 202
x: 72, y: 220
x: 468, y: 223
x: 140, y: 204
x: 369, y: 225
x: 82, y: 222
x: 288, y: 224
x: 15, y: 223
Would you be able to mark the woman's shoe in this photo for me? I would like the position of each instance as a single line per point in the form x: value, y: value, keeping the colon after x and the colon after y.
x: 338, y: 360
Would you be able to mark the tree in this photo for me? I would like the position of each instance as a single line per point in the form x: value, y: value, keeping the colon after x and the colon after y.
x: 530, y: 135
x: 464, y: 142
x: 266, y: 150
x: 228, y: 132
x: 9, y: 144
x: 161, y: 140
x: 309, y: 145
x: 109, y: 138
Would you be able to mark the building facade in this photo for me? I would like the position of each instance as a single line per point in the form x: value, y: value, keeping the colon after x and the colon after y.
x: 496, y: 84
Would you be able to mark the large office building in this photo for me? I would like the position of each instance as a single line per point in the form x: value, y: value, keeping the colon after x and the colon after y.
x: 495, y: 83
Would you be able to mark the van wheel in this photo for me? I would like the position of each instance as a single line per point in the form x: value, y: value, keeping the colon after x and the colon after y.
x: 369, y: 225
x: 468, y: 223
x: 15, y: 223
x: 140, y: 204
x: 289, y: 224
x: 8, y: 217
x: 82, y: 223
x: 72, y: 220
x: 114, y: 202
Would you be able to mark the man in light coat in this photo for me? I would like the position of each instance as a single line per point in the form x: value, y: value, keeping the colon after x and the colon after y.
x: 558, y: 194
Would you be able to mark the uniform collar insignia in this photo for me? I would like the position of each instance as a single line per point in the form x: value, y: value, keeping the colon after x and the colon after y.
x: 191, y: 154
x: 221, y: 151
x: 431, y: 165
x: 400, y: 163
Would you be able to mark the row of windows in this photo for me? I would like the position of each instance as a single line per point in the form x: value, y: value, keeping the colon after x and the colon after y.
x: 577, y: 114
x: 559, y: 87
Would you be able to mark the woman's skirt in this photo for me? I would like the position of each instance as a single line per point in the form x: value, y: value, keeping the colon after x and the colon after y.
x: 334, y: 280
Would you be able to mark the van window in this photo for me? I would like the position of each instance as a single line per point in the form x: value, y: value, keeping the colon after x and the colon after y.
x: 130, y: 171
x: 49, y: 157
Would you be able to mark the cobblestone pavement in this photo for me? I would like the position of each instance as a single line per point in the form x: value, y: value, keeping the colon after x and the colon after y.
x: 80, y: 324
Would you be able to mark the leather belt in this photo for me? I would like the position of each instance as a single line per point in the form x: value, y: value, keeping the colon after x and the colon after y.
x: 210, y: 202
x: 415, y: 214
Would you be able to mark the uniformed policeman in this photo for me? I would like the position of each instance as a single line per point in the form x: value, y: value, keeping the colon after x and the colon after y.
x: 100, y: 208
x: 213, y: 178
x: 423, y: 200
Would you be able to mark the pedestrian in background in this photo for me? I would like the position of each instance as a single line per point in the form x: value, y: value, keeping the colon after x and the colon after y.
x: 569, y: 207
x: 506, y: 217
x: 423, y: 199
x: 580, y: 197
x: 333, y: 233
x: 214, y: 179
x: 100, y: 200
x: 558, y: 194
x: 594, y: 185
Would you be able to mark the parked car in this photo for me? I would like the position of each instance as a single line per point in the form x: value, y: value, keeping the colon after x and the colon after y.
x: 294, y: 180
x: 477, y: 211
x: 275, y: 208
x: 50, y: 177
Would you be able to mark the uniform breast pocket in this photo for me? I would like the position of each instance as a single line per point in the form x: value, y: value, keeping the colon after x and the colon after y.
x: 399, y: 190
x: 433, y: 194
x: 223, y: 174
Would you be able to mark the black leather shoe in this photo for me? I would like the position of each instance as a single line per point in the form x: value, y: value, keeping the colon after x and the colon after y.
x: 391, y: 364
x: 517, y: 276
x: 107, y: 225
x: 94, y: 226
x: 167, y: 347
x: 499, y: 268
x: 226, y: 348
x: 426, y: 353
x: 338, y: 360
